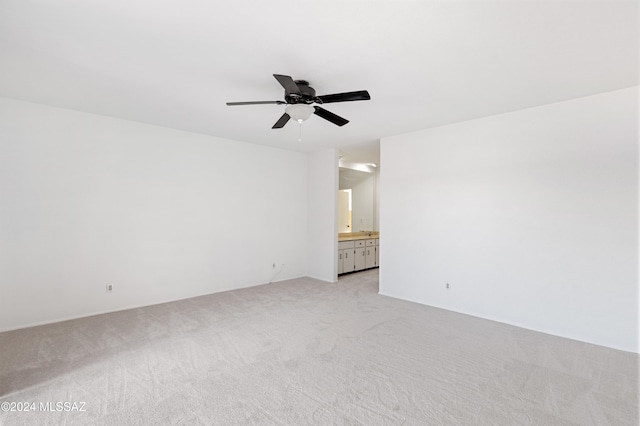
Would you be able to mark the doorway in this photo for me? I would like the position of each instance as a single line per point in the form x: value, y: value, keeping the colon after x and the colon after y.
x: 344, y: 211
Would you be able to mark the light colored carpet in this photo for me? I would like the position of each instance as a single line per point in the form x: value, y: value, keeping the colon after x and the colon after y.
x: 306, y: 352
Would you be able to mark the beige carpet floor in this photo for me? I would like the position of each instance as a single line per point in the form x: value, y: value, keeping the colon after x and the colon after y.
x: 305, y: 352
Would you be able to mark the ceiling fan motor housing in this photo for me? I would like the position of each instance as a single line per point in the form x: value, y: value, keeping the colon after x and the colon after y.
x: 307, y: 94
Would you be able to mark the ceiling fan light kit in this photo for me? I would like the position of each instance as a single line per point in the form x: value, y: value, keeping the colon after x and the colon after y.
x: 299, y: 97
x: 299, y: 112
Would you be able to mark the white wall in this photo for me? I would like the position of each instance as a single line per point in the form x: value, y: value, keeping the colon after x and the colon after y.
x: 376, y: 204
x: 160, y: 214
x: 531, y: 216
x: 363, y: 204
x: 323, y: 215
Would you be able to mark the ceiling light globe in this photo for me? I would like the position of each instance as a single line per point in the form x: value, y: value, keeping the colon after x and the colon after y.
x: 299, y: 112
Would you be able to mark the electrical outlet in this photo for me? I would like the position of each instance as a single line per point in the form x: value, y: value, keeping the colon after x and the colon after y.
x: 109, y: 288
x: 273, y: 266
x: 448, y: 286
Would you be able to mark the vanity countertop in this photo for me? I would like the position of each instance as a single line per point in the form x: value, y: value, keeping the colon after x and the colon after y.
x: 358, y: 236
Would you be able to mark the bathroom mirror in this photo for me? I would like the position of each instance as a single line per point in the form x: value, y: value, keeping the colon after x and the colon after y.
x: 357, y: 200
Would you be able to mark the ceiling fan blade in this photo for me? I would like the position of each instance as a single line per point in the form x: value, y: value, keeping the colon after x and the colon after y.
x: 287, y: 82
x: 361, y: 95
x: 256, y: 103
x: 281, y: 121
x: 327, y: 115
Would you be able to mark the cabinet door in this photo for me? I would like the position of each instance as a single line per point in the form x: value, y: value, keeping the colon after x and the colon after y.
x: 377, y: 255
x: 360, y: 258
x: 370, y: 257
x: 347, y: 261
x: 340, y: 263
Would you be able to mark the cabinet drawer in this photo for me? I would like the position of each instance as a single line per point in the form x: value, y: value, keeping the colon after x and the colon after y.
x: 359, y: 243
x: 371, y: 243
x: 345, y: 245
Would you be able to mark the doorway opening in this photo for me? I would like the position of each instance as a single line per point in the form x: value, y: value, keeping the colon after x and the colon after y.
x: 344, y: 211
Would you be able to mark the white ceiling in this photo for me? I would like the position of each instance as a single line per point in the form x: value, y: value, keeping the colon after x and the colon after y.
x: 425, y: 63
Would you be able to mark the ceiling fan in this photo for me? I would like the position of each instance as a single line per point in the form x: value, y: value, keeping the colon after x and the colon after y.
x: 299, y: 97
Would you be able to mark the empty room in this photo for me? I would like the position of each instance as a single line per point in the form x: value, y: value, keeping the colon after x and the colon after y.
x: 387, y: 212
